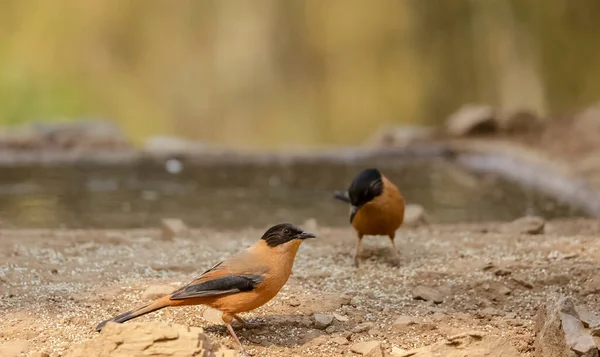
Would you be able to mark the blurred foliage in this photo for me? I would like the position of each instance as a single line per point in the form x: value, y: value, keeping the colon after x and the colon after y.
x: 276, y: 74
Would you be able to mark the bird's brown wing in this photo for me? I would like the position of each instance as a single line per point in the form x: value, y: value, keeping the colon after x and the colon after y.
x: 236, y: 274
x: 226, y: 284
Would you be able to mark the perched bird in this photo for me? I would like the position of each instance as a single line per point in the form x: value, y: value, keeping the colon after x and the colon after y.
x: 377, y: 207
x: 241, y: 283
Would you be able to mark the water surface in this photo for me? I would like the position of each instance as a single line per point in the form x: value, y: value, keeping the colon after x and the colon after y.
x: 249, y: 194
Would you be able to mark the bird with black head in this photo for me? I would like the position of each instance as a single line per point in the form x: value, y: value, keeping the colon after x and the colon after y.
x: 241, y: 283
x: 376, y: 207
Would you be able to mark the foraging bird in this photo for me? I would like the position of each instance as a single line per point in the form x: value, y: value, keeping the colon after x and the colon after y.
x: 377, y: 207
x: 241, y: 283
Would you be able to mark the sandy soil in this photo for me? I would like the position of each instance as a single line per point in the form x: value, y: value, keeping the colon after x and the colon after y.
x: 57, y: 285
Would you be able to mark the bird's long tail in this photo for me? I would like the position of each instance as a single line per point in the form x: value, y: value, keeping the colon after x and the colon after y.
x: 342, y: 196
x: 143, y: 310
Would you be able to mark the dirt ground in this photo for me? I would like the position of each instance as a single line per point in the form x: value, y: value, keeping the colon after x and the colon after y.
x: 57, y: 285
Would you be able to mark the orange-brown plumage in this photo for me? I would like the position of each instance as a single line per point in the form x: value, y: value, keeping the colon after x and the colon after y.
x: 241, y: 283
x: 377, y: 207
x: 383, y: 215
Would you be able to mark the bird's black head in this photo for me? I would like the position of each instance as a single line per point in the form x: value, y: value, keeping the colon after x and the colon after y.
x: 283, y: 233
x: 366, y: 186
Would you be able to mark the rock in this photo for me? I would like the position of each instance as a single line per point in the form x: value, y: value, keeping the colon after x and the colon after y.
x: 588, y: 318
x: 489, y: 311
x: 13, y: 348
x: 86, y: 134
x: 592, y: 286
x: 559, y: 331
x: 322, y: 321
x: 399, y: 352
x: 520, y: 121
x: 521, y: 280
x: 294, y: 302
x: 174, y: 227
x: 340, y: 318
x: 502, y: 272
x: 503, y: 290
x: 472, y: 120
x: 414, y: 215
x: 474, y: 333
x: 369, y: 348
x: 213, y: 315
x: 157, y: 291
x: 364, y: 327
x: 157, y: 339
x: 331, y: 329
x: 403, y: 322
x: 525, y: 225
x: 438, y: 316
x: 428, y: 294
x: 340, y: 340
x: 465, y: 345
x: 559, y: 279
x: 401, y: 135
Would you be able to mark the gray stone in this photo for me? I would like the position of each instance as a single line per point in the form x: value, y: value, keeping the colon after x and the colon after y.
x: 588, y: 318
x: 428, y: 294
x: 340, y: 340
x: 525, y: 225
x: 145, y: 339
x: 414, y: 215
x: 471, y: 120
x: 340, y: 318
x: 521, y: 280
x: 174, y: 227
x: 559, y: 331
x: 365, y: 326
x: 156, y: 291
x: 368, y: 348
x: 322, y: 321
x: 520, y: 121
x: 403, y: 322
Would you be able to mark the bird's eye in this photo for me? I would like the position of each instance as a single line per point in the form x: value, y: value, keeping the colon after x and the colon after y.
x: 286, y: 231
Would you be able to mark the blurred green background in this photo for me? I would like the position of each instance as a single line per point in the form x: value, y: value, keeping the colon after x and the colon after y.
x: 284, y: 74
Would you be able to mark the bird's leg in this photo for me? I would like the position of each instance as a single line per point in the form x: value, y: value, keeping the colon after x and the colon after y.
x: 232, y: 332
x: 240, y: 320
x: 396, y: 257
x: 358, y: 249
x: 227, y: 317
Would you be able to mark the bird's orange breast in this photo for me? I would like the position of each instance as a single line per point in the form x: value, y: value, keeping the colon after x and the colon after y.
x: 383, y: 215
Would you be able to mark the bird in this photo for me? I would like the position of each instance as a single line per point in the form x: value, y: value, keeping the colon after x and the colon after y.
x: 241, y: 283
x: 376, y: 207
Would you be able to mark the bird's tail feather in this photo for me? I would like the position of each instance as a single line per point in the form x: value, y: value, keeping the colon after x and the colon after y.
x: 342, y: 196
x: 132, y: 314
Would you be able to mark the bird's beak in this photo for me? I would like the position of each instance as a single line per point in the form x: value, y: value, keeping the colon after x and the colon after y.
x: 353, y: 210
x: 305, y: 235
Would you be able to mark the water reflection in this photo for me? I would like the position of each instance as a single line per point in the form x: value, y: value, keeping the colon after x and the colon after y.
x: 240, y: 195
